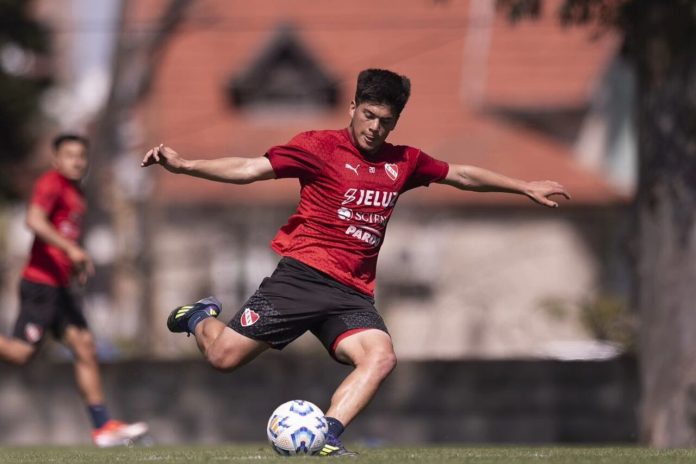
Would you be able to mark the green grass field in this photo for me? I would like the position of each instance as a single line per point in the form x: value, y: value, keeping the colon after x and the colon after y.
x: 262, y: 454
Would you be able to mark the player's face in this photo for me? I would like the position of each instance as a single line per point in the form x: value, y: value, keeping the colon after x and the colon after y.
x: 370, y: 125
x: 70, y: 159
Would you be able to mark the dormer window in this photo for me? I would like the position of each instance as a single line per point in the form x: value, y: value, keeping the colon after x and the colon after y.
x: 284, y: 76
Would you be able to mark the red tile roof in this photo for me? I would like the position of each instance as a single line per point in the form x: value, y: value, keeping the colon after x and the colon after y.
x: 527, y: 66
x: 539, y: 64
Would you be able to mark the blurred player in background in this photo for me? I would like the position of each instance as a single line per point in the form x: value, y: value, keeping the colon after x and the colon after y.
x: 47, y: 301
x: 350, y: 181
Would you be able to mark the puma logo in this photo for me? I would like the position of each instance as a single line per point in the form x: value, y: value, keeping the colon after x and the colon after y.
x: 354, y: 169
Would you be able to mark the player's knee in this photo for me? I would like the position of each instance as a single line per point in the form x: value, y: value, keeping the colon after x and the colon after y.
x: 389, y: 362
x: 222, y: 362
x: 23, y: 357
x: 86, y: 349
x: 19, y: 353
x: 383, y: 361
x: 222, y: 357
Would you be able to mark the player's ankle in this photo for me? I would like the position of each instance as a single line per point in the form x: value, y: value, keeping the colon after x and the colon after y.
x: 196, y: 318
x: 335, y: 427
x: 98, y: 415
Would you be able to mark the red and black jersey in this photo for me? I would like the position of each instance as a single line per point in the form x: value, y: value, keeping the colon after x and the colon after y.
x: 64, y: 204
x: 346, y: 201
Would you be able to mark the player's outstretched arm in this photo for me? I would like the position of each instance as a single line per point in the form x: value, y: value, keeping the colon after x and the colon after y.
x: 481, y: 180
x: 232, y: 169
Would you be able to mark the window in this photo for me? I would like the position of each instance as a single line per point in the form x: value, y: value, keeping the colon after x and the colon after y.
x: 284, y: 75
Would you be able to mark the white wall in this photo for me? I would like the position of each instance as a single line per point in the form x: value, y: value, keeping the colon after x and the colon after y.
x: 449, y: 286
x: 493, y: 284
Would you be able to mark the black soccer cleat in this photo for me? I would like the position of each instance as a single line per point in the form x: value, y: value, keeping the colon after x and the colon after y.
x: 334, y: 448
x: 177, y: 321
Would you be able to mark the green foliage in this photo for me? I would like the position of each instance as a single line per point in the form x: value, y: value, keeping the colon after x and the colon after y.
x: 555, y: 308
x: 24, y: 49
x: 520, y: 9
x: 605, y: 317
x: 616, y: 13
x: 600, y: 14
x: 569, y: 12
x: 637, y: 20
x: 608, y: 319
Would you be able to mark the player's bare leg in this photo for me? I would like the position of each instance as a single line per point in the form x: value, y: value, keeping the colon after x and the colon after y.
x: 88, y: 378
x: 81, y: 343
x: 16, y: 351
x: 372, y: 354
x: 224, y: 348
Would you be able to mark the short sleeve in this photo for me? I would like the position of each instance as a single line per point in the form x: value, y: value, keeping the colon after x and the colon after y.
x: 46, y: 193
x: 426, y: 170
x: 300, y: 157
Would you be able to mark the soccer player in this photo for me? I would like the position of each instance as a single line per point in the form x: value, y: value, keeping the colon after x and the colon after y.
x: 350, y: 181
x: 47, y: 300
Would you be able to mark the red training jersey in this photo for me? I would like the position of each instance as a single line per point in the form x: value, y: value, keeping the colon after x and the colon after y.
x: 64, y: 204
x: 346, y: 201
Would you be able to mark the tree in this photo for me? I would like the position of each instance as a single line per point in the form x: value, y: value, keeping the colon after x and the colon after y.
x: 24, y: 47
x: 659, y: 39
x: 136, y: 62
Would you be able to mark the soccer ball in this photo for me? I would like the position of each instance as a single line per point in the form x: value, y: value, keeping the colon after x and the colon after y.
x: 297, y: 427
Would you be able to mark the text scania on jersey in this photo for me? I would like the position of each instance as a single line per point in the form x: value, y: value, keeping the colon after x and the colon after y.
x: 348, y: 214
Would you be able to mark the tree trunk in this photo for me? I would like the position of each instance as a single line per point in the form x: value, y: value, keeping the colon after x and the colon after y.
x: 661, y: 40
x: 113, y: 206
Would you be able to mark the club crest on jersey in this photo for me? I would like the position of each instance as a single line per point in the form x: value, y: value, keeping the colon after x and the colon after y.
x: 33, y: 332
x: 249, y: 317
x: 392, y: 170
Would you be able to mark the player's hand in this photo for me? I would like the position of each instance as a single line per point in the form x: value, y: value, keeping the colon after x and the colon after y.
x: 168, y: 158
x: 81, y: 262
x: 541, y: 192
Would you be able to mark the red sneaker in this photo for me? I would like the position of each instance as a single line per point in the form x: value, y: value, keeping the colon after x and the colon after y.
x: 117, y: 433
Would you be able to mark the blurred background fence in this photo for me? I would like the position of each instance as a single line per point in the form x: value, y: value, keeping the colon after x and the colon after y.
x: 186, y: 402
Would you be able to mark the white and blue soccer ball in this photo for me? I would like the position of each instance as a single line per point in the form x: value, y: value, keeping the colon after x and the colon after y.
x: 297, y: 428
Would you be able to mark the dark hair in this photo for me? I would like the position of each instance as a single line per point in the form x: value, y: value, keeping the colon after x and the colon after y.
x: 61, y: 138
x: 383, y: 87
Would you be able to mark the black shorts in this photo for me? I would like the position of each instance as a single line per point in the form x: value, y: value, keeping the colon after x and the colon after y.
x: 42, y: 308
x: 297, y: 298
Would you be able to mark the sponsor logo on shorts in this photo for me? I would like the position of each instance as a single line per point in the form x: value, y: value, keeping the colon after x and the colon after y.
x: 32, y: 332
x: 249, y: 317
x: 392, y: 170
